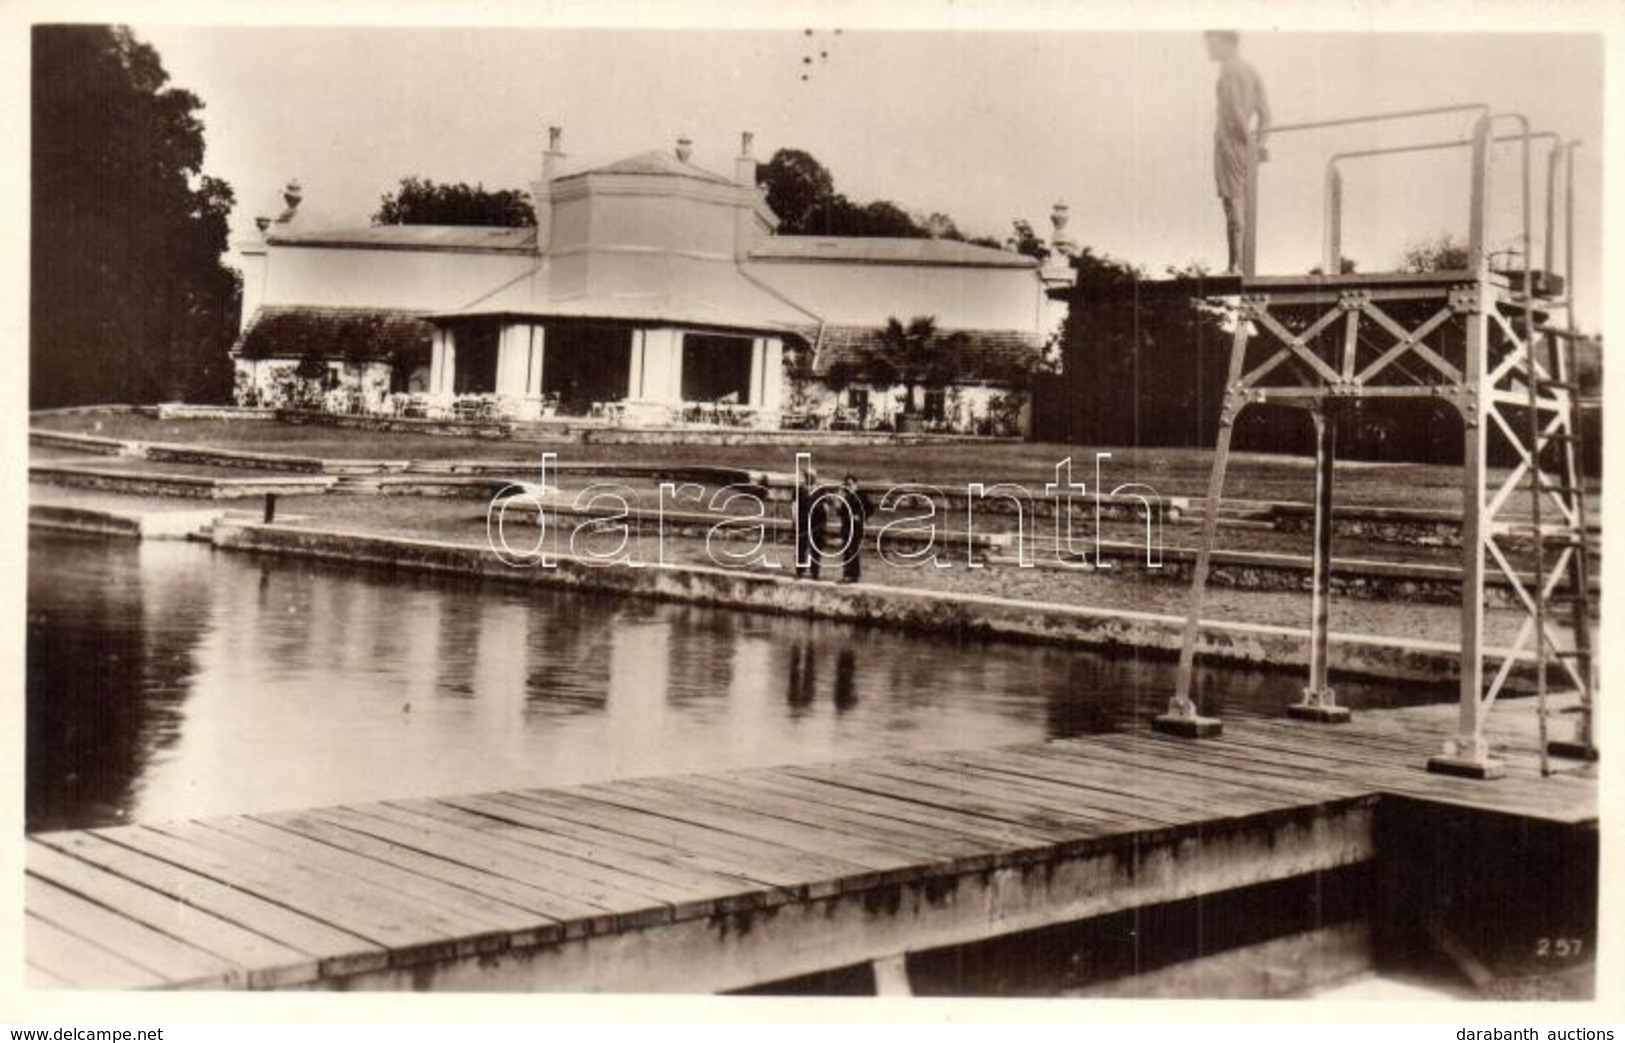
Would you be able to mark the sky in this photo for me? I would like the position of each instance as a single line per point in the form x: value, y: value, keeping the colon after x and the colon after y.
x: 985, y: 126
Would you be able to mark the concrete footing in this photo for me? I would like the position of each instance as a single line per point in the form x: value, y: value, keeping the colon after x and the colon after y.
x: 1188, y: 727
x: 1571, y: 750
x: 1319, y: 713
x: 1467, y: 767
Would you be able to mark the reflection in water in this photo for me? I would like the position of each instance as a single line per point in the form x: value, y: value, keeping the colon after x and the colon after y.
x: 169, y: 680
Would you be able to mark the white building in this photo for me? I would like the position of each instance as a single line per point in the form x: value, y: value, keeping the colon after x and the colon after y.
x: 648, y: 287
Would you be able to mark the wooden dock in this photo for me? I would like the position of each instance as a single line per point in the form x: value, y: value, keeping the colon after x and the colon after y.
x: 714, y: 882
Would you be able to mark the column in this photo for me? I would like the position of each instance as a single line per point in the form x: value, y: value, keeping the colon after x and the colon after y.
x: 657, y: 375
x: 437, y: 358
x: 758, y: 371
x: 536, y: 345
x: 513, y: 359
x: 772, y: 375
x: 443, y: 362
x: 663, y: 366
x: 634, y: 369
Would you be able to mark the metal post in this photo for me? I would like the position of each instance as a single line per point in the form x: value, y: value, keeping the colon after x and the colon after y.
x: 1468, y: 754
x: 1319, y: 700
x: 1333, y: 262
x: 1182, y: 718
x: 1480, y: 191
x: 1552, y: 159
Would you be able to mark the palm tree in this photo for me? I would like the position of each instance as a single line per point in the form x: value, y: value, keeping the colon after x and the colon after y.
x: 914, y: 356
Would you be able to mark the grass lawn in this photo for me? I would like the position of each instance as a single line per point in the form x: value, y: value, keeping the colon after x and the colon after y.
x: 1172, y: 472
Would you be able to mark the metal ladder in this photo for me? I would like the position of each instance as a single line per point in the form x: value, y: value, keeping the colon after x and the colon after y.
x: 1561, y: 570
x: 1557, y: 475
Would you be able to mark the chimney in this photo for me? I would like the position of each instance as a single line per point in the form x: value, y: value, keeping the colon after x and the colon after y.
x: 745, y: 165
x: 685, y: 148
x: 551, y: 157
x: 541, y: 191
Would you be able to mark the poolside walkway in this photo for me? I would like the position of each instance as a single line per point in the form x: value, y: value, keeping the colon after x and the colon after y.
x: 721, y: 881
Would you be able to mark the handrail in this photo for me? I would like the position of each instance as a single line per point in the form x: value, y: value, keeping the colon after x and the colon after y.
x: 1333, y: 234
x: 1255, y: 144
x: 1381, y: 117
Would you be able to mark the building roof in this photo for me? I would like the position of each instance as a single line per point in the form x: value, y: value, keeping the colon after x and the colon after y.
x: 876, y: 250
x: 693, y: 293
x: 992, y: 356
x: 654, y: 164
x: 295, y: 331
x: 477, y: 238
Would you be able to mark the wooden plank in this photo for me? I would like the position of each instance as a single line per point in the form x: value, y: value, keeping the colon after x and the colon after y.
x: 464, y: 911
x: 1055, y: 826
x: 339, y: 951
x: 267, y: 964
x: 1063, y: 805
x: 379, y: 916
x: 1542, y: 798
x: 548, y: 911
x: 925, y: 845
x: 558, y: 836
x: 778, y: 865
x: 1141, y: 794
x: 83, y: 964
x: 592, y: 895
x: 1285, y: 778
x: 175, y: 962
x: 1178, y: 778
x: 613, y: 837
x: 692, y: 806
x: 1000, y: 836
x: 937, y: 834
x: 752, y: 833
x: 1068, y: 802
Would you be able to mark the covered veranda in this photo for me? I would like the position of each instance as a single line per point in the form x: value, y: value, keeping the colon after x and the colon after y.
x: 615, y: 371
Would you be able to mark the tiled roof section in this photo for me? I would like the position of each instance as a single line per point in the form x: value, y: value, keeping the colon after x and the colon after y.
x: 416, y: 237
x: 657, y: 164
x: 350, y: 333
x: 876, y: 250
x: 987, y: 356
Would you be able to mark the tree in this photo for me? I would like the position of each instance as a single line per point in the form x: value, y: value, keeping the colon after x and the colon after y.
x: 1442, y: 254
x: 420, y: 201
x: 798, y: 186
x: 129, y: 299
x: 1139, y: 367
x: 1024, y: 240
x: 801, y: 191
x: 914, y: 356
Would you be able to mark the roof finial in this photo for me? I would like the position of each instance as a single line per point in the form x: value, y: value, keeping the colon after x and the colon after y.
x: 685, y: 148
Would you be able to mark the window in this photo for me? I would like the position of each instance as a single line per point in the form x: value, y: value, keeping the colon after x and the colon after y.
x: 857, y: 400
x: 936, y: 403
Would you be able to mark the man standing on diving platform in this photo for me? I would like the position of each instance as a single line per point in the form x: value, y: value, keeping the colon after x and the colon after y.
x: 1241, y: 102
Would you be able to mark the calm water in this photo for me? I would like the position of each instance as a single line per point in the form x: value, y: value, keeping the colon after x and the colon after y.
x: 169, y: 680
